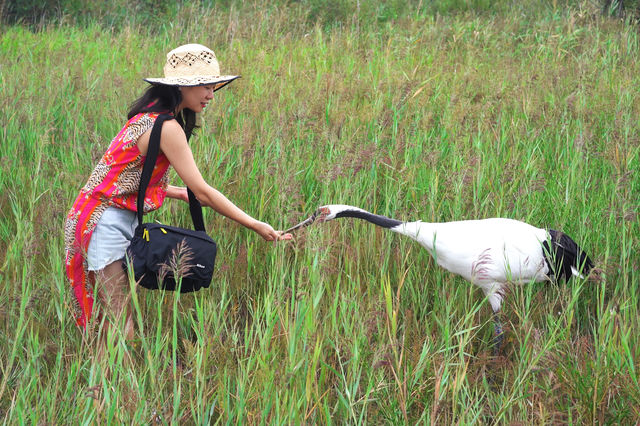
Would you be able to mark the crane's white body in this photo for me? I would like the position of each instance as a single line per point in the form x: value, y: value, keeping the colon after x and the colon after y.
x: 488, y: 253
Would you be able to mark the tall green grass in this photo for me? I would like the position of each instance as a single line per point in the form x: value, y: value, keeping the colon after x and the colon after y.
x: 432, y: 117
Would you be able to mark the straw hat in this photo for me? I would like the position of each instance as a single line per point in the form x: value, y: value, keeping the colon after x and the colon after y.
x: 192, y: 65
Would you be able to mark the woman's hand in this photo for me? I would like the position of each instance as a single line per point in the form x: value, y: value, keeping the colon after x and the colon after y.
x: 268, y: 233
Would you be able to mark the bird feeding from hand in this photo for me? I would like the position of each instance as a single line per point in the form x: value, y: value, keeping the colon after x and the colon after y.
x: 489, y: 253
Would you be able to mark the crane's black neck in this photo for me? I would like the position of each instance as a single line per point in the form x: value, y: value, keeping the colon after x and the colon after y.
x: 382, y: 221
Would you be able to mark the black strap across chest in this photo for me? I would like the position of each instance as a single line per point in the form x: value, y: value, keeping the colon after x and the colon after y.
x: 149, y: 164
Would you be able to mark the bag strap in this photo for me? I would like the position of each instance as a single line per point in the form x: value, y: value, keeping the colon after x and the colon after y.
x: 150, y: 162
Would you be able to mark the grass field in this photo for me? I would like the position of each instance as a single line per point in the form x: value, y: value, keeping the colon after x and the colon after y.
x: 531, y: 116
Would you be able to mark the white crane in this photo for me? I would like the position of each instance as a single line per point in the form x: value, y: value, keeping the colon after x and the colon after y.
x: 489, y: 253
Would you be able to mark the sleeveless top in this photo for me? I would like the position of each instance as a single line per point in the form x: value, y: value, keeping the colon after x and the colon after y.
x: 114, y: 182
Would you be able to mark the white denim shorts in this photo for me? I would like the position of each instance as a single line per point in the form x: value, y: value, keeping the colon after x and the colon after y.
x: 111, y: 237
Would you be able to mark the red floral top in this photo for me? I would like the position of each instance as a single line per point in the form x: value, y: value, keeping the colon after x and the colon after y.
x: 114, y: 182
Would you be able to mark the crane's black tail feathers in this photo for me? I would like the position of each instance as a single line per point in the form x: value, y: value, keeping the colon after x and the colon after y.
x: 564, y: 257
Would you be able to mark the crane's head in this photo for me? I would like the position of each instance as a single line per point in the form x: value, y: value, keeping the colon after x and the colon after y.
x: 324, y: 214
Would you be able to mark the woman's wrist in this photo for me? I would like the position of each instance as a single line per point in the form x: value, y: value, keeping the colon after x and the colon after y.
x: 252, y: 223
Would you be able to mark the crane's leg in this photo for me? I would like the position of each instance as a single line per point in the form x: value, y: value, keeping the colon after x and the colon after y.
x: 498, y: 334
x: 495, y: 299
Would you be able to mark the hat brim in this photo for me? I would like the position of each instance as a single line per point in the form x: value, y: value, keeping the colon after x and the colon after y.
x: 204, y: 80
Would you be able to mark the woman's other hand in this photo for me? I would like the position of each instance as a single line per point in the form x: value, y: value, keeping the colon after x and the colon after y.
x: 268, y: 233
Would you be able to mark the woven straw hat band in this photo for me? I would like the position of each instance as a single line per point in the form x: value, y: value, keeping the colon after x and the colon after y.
x: 191, y: 63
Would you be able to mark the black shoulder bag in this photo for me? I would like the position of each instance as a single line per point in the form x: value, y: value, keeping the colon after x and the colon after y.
x: 167, y: 257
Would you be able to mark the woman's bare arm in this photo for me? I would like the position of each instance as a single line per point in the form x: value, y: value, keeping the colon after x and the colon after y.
x: 173, y: 144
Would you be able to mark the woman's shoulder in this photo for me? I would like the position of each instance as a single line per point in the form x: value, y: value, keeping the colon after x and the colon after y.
x: 172, y: 129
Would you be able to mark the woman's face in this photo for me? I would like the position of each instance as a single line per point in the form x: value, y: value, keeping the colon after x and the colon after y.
x: 196, y: 98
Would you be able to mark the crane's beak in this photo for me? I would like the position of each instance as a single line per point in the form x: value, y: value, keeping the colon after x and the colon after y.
x: 308, y: 221
x: 320, y: 215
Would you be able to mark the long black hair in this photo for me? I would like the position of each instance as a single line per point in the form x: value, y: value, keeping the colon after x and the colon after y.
x: 164, y: 98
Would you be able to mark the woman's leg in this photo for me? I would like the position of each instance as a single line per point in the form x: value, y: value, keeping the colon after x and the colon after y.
x: 113, y: 290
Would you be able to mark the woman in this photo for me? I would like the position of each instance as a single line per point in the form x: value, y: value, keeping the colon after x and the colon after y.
x: 102, y: 220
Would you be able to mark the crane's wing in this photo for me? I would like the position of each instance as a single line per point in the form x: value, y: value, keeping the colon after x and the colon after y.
x: 488, y: 250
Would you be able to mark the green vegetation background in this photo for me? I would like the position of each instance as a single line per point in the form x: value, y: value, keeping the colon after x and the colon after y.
x: 430, y: 110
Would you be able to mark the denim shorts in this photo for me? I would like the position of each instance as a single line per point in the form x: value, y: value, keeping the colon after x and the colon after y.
x: 111, y: 237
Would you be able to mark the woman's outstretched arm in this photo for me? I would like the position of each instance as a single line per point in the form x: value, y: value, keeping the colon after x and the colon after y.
x: 173, y: 144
